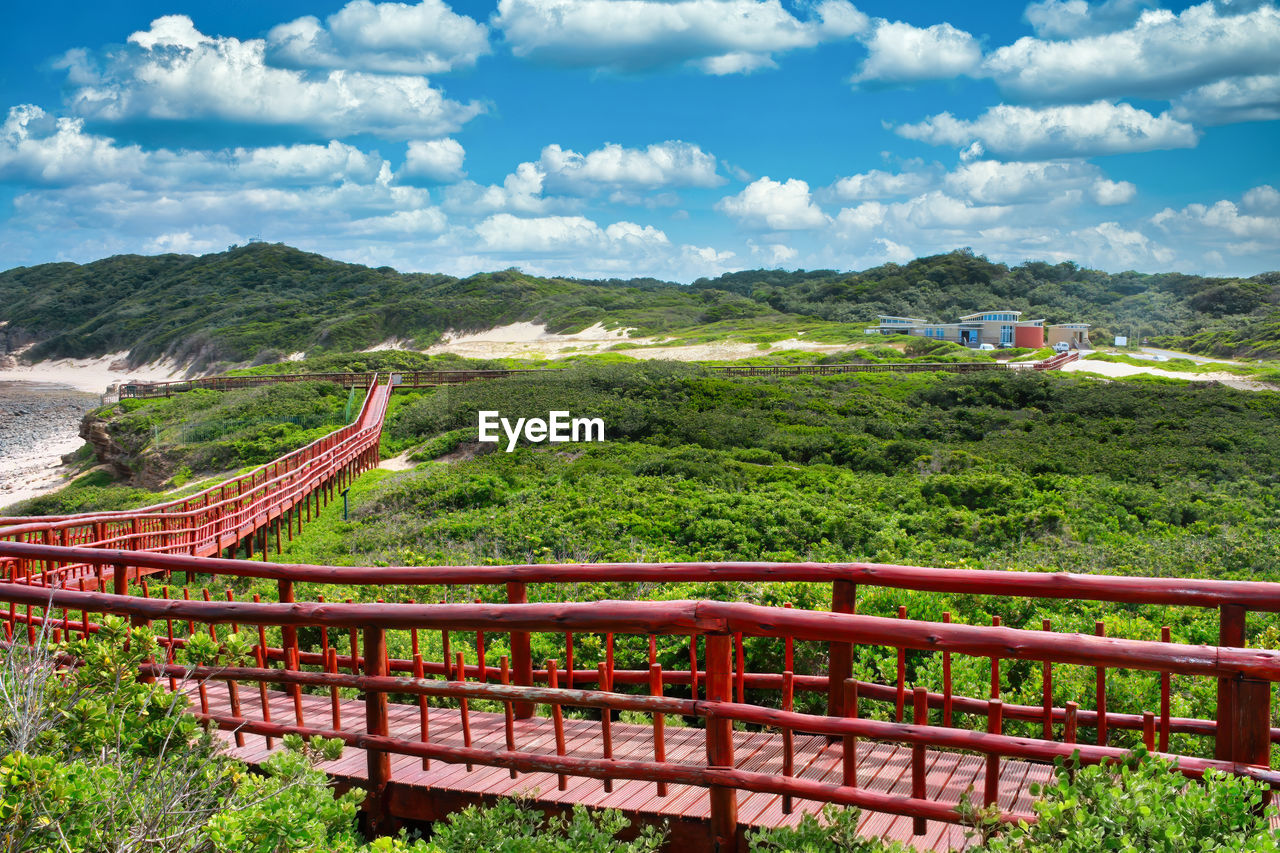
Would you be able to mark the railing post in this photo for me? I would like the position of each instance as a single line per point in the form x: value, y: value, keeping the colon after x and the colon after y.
x: 844, y: 594
x: 120, y: 579
x: 724, y: 801
x: 1252, y: 724
x: 1244, y: 704
x: 1231, y: 632
x: 521, y: 658
x: 288, y: 633
x: 377, y: 805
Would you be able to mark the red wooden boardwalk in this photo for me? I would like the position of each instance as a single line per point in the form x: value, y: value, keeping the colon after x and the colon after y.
x: 430, y: 794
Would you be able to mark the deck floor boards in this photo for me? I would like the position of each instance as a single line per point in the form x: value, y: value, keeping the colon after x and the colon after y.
x: 882, y: 767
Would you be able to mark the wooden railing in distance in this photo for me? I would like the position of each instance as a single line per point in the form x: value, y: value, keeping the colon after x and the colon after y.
x: 135, y: 389
x: 242, y: 509
x: 433, y: 378
x: 1241, y: 728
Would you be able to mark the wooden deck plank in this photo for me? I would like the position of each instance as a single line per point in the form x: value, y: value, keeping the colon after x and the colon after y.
x: 899, y: 827
x: 881, y: 767
x: 810, y: 755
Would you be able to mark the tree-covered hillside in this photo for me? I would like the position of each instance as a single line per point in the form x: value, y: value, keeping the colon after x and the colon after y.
x: 262, y: 301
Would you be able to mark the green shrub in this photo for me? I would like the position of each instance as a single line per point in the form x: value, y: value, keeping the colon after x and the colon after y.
x: 510, y: 826
x: 835, y: 832
x: 1141, y: 805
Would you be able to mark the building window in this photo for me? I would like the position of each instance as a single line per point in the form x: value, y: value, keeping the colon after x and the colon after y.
x: 1006, y: 335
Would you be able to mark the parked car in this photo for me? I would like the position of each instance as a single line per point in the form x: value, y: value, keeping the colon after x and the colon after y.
x: 987, y: 347
x: 1061, y: 346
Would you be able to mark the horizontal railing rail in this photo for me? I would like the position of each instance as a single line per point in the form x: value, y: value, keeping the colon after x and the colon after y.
x: 135, y: 389
x: 1183, y: 592
x: 687, y: 617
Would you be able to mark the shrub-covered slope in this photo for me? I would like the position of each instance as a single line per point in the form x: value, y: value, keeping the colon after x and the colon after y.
x: 263, y: 301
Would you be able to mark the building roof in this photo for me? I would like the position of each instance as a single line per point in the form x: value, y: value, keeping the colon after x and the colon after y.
x: 895, y: 317
x: 982, y: 314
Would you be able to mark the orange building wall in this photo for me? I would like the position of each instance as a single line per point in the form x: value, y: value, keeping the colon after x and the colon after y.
x: 1028, y: 336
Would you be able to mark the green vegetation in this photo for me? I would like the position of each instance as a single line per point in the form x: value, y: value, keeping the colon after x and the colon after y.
x: 92, y: 759
x: 162, y: 448
x: 835, y: 831
x: 1141, y: 806
x: 992, y: 470
x: 512, y: 826
x: 261, y: 302
x: 1008, y: 471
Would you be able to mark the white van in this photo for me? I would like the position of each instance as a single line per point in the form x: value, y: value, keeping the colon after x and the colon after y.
x: 987, y: 347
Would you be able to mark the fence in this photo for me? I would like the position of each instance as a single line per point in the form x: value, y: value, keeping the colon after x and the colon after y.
x: 351, y: 650
x: 433, y: 378
x: 220, y: 517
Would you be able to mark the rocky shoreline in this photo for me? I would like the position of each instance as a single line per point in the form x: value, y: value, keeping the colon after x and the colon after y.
x: 39, y: 424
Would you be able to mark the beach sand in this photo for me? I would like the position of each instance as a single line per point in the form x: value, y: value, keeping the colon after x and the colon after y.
x: 39, y: 424
x: 41, y: 406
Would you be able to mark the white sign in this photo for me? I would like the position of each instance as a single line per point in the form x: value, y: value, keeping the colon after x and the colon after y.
x: 1122, y: 341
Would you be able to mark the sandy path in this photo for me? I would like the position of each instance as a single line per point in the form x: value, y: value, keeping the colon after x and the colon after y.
x: 1116, y: 370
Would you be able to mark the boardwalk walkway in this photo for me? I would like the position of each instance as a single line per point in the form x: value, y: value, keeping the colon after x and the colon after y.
x: 430, y: 794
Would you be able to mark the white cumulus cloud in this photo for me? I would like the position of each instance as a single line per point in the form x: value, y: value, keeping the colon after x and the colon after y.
x: 900, y: 52
x: 1024, y: 182
x: 717, y: 36
x: 878, y: 183
x: 1226, y: 219
x: 437, y: 160
x: 39, y: 149
x: 173, y: 72
x: 1107, y: 192
x: 1237, y: 99
x: 771, y: 205
x: 1109, y: 245
x: 667, y: 164
x: 1263, y: 199
x: 401, y: 38
x: 1059, y: 131
x: 1071, y: 18
x: 1162, y: 55
x: 506, y: 233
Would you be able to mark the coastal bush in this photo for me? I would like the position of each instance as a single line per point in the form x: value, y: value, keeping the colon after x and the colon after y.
x: 511, y: 826
x: 1141, y: 805
x: 93, y: 759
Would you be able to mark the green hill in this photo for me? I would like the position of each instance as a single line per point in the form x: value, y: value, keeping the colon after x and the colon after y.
x: 256, y: 303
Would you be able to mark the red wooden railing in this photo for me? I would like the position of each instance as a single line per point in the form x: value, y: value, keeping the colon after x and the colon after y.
x: 132, y: 388
x: 241, y: 509
x: 717, y: 680
x: 1057, y: 361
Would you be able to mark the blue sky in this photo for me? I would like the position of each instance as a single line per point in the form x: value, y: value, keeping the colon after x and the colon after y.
x: 671, y: 138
